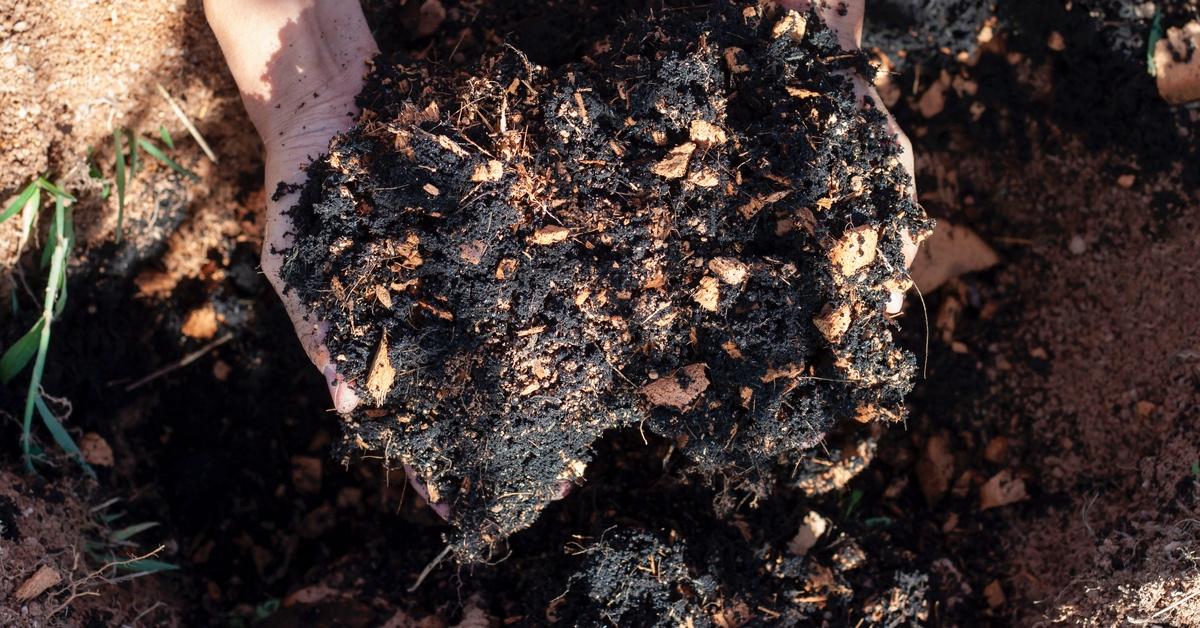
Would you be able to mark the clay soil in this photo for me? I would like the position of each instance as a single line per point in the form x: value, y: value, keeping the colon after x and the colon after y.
x: 1048, y: 469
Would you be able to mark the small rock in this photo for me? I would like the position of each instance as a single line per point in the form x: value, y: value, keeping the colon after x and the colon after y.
x: 1056, y: 42
x: 96, y: 450
x: 994, y: 593
x: 201, y: 323
x: 1077, y: 246
x: 811, y: 529
x: 1003, y: 489
x: 306, y: 474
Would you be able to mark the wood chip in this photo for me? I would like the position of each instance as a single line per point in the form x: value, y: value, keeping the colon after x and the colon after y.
x: 733, y: 60
x: 383, y: 296
x: 488, y: 172
x: 96, y: 451
x: 705, y: 178
x: 731, y: 271
x: 550, y: 234
x: 1003, y: 489
x: 706, y: 134
x: 730, y: 347
x: 790, y: 371
x: 855, y: 250
x: 994, y: 594
x: 791, y: 24
x: 679, y: 389
x: 833, y: 322
x: 472, y: 252
x: 201, y: 323
x: 949, y: 252
x: 708, y: 293
x: 382, y: 376
x: 42, y: 579
x: 506, y: 268
x: 801, y: 93
x: 935, y: 468
x: 811, y: 530
x: 431, y: 189
x: 531, y: 331
x: 676, y: 163
x: 1178, y: 81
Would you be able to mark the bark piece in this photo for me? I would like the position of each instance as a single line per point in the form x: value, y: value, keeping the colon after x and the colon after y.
x: 855, y: 251
x: 679, y: 389
x: 382, y: 375
x: 42, y: 579
x: 949, y: 252
x: 833, y: 322
x: 676, y: 163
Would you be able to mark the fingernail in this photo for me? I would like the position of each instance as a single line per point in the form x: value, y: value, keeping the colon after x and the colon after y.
x: 895, y: 303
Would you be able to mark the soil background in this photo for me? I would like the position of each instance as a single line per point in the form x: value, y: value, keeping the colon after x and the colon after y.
x: 1071, y: 367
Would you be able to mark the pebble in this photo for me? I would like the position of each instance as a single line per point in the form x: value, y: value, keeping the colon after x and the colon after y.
x: 21, y: 26
x: 1078, y: 245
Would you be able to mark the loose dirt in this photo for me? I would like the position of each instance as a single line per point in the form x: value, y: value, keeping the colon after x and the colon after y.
x: 691, y: 229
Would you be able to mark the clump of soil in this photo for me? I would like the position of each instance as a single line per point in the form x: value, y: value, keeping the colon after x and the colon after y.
x: 692, y: 229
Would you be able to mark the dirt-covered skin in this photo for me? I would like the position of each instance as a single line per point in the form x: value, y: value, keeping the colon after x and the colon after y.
x: 692, y: 230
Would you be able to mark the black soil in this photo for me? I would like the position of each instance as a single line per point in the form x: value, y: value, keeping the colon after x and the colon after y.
x: 687, y: 226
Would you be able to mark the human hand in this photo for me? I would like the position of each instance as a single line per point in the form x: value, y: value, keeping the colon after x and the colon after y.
x: 845, y: 19
x: 299, y: 65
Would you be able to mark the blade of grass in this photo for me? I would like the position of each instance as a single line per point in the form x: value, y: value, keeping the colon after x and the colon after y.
x: 119, y: 152
x: 20, y: 201
x: 187, y: 123
x: 55, y: 228
x: 20, y: 353
x: 154, y: 152
x: 135, y: 163
x: 166, y: 136
x: 53, y: 189
x: 148, y: 565
x: 126, y: 533
x: 39, y: 363
x: 67, y: 221
x: 29, y: 217
x: 61, y: 437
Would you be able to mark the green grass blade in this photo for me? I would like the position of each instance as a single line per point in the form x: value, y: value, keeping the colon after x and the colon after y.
x: 119, y: 153
x: 67, y: 224
x: 148, y: 565
x: 29, y: 217
x: 20, y: 353
x: 135, y: 162
x: 39, y: 363
x: 20, y: 202
x: 166, y: 137
x: 61, y: 437
x: 53, y: 189
x: 154, y: 152
x: 55, y: 238
x: 126, y: 533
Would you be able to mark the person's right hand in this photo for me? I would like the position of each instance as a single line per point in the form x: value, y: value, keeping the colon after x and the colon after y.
x: 845, y: 19
x: 299, y: 65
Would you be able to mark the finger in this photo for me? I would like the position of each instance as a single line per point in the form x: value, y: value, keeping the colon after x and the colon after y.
x: 311, y: 332
x: 441, y: 508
